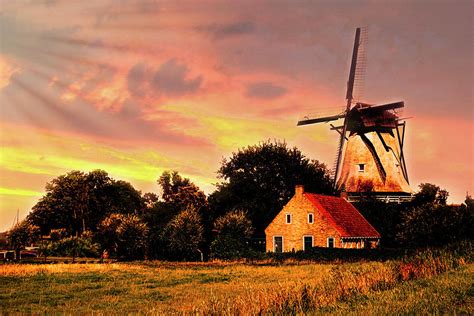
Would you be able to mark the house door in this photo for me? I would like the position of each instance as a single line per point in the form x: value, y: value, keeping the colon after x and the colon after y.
x: 278, y: 244
x: 307, y: 242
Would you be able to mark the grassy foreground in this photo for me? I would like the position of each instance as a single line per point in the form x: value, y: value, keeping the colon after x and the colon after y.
x: 230, y: 288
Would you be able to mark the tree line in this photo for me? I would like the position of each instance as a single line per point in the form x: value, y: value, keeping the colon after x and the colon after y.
x: 92, y: 214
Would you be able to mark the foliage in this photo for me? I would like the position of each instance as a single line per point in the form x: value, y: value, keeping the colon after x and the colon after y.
x: 260, y: 179
x: 178, y: 193
x: 22, y: 235
x: 185, y: 235
x: 435, y: 224
x: 132, y: 238
x: 75, y: 246
x: 57, y: 234
x: 78, y: 201
x: 124, y: 236
x: 45, y: 249
x: 233, y: 231
x: 430, y: 193
x: 427, y: 220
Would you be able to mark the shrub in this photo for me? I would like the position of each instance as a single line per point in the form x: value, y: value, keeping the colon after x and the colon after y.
x: 75, y: 246
x: 123, y: 236
x: 132, y: 238
x: 185, y: 235
x: 233, y: 231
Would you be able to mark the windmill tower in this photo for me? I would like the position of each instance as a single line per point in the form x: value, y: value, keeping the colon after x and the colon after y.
x: 370, y: 152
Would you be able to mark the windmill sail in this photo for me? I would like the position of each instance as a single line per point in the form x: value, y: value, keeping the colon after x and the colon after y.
x: 354, y: 70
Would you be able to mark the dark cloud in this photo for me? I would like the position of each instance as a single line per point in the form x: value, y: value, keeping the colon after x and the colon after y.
x: 222, y: 31
x: 137, y: 79
x: 265, y: 90
x: 171, y: 79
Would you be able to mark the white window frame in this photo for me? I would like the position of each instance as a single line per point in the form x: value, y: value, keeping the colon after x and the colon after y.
x: 312, y: 215
x: 312, y: 241
x: 286, y: 218
x: 333, y: 242
x: 282, y: 243
x: 361, y: 167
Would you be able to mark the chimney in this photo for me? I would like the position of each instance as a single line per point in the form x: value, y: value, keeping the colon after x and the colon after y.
x: 299, y: 190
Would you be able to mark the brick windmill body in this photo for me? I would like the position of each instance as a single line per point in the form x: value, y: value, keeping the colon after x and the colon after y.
x: 370, y: 156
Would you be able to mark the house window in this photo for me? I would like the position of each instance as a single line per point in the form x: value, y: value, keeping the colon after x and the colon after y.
x: 278, y: 244
x: 330, y: 242
x: 310, y: 218
x: 361, y: 167
x: 288, y: 218
x: 307, y: 242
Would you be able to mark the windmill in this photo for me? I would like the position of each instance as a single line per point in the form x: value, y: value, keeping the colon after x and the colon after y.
x: 370, y: 152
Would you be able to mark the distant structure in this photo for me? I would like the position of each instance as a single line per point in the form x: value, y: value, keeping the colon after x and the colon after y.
x: 313, y: 220
x: 372, y: 160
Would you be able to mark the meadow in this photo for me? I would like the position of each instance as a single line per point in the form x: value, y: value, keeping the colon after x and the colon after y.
x: 423, y: 284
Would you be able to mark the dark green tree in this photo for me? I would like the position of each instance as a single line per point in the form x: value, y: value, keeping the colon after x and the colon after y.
x: 123, y: 236
x: 233, y: 232
x: 178, y: 193
x: 260, y: 179
x: 430, y: 193
x: 22, y: 235
x: 429, y: 221
x: 78, y: 201
x: 185, y: 235
x: 132, y: 236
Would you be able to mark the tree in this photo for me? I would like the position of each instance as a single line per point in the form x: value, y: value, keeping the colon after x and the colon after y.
x: 233, y: 231
x: 178, y: 194
x: 78, y: 201
x: 124, y: 236
x: 181, y: 192
x: 185, y: 235
x: 107, y: 233
x: 132, y: 238
x: 22, y: 235
x: 430, y: 193
x: 429, y: 221
x: 260, y: 179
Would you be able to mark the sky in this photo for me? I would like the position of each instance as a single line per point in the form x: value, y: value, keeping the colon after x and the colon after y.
x: 140, y: 87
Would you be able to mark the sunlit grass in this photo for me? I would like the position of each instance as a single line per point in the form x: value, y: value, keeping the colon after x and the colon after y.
x: 225, y: 288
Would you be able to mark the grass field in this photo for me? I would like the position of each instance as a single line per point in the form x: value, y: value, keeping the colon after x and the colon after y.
x: 229, y: 288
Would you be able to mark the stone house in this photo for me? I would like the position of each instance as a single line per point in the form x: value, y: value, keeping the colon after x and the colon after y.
x: 314, y: 220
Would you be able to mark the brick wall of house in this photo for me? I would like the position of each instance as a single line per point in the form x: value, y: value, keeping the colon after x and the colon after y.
x: 299, y: 207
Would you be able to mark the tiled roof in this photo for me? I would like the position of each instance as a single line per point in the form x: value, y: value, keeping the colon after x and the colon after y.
x: 343, y: 216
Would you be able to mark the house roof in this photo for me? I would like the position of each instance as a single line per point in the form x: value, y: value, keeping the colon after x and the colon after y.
x: 345, y: 218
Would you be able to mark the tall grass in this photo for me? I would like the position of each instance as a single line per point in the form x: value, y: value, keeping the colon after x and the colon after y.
x: 341, y: 284
x: 263, y: 287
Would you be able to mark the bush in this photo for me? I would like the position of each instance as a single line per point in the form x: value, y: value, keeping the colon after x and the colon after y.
x: 185, y: 235
x: 435, y: 224
x: 75, y: 247
x: 132, y: 238
x: 123, y: 236
x: 233, y: 231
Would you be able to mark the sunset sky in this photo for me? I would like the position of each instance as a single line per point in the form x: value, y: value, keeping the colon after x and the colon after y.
x: 139, y: 87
